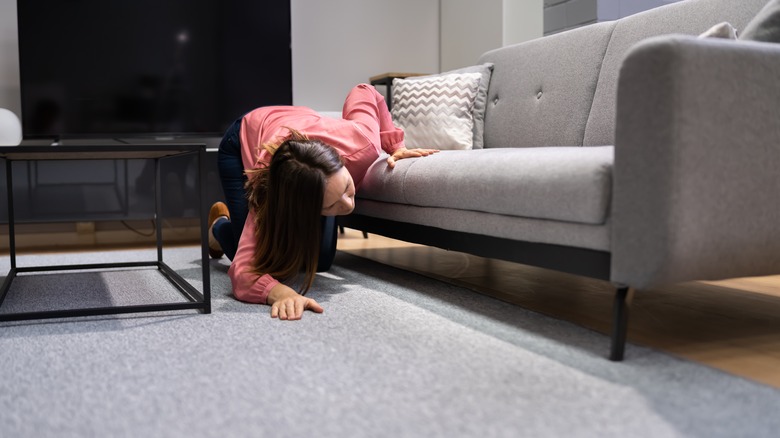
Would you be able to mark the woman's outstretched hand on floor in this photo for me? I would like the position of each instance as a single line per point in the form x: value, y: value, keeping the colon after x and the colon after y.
x: 286, y: 304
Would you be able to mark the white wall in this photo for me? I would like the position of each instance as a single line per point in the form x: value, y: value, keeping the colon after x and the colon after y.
x: 10, y: 97
x: 469, y: 28
x: 340, y: 43
x: 523, y: 20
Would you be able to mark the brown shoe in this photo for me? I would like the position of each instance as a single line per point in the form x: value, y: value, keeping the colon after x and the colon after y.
x: 218, y: 210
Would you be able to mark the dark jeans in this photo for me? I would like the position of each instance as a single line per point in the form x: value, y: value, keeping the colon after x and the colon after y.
x: 231, y: 173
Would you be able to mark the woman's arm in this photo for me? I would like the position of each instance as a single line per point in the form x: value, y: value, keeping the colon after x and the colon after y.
x: 249, y: 287
x: 366, y: 106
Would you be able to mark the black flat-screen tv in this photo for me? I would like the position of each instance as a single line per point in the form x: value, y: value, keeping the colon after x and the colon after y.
x: 149, y: 68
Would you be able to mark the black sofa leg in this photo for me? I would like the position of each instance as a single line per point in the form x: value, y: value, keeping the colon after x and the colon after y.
x: 341, y: 229
x: 620, y: 307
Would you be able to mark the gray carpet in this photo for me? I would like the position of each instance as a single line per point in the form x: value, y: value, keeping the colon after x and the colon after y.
x: 394, y: 355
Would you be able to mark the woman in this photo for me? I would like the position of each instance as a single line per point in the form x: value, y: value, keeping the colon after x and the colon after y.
x: 286, y: 173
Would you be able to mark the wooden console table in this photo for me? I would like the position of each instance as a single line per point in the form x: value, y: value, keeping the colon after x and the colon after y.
x: 198, y: 300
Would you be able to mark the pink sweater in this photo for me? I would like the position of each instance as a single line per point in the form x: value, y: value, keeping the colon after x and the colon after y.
x: 365, y: 128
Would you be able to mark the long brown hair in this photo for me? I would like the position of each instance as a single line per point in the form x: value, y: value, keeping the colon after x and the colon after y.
x: 286, y: 197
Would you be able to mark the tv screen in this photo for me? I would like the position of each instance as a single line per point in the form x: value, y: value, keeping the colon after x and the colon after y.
x: 129, y: 68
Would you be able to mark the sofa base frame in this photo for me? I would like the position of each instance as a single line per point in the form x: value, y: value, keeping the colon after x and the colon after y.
x: 577, y: 261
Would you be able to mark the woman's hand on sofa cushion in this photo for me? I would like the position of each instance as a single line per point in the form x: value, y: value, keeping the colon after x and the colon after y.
x: 402, y: 153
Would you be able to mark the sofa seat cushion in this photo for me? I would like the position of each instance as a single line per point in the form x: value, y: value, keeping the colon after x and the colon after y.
x: 571, y: 184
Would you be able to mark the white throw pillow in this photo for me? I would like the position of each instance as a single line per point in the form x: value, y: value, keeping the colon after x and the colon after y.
x: 436, y: 112
x: 721, y: 30
x: 480, y: 104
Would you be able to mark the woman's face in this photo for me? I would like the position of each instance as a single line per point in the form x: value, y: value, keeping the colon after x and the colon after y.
x: 339, y: 196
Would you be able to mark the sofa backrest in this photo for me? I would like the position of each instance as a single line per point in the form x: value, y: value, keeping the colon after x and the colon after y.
x: 560, y: 90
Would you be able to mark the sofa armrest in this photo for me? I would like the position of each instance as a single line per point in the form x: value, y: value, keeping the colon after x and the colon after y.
x: 696, y: 180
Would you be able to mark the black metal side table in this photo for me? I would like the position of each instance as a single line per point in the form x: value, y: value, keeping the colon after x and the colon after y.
x: 198, y: 300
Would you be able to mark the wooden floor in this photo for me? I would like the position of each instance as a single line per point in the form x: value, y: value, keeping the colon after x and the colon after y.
x: 731, y: 325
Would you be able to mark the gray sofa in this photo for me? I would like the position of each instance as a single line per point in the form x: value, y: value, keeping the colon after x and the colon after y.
x: 629, y: 151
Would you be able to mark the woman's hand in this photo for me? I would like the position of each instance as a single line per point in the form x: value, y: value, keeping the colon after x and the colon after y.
x: 402, y: 153
x: 286, y: 304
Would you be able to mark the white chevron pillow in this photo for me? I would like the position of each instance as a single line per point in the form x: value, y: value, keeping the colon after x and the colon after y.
x: 436, y: 112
